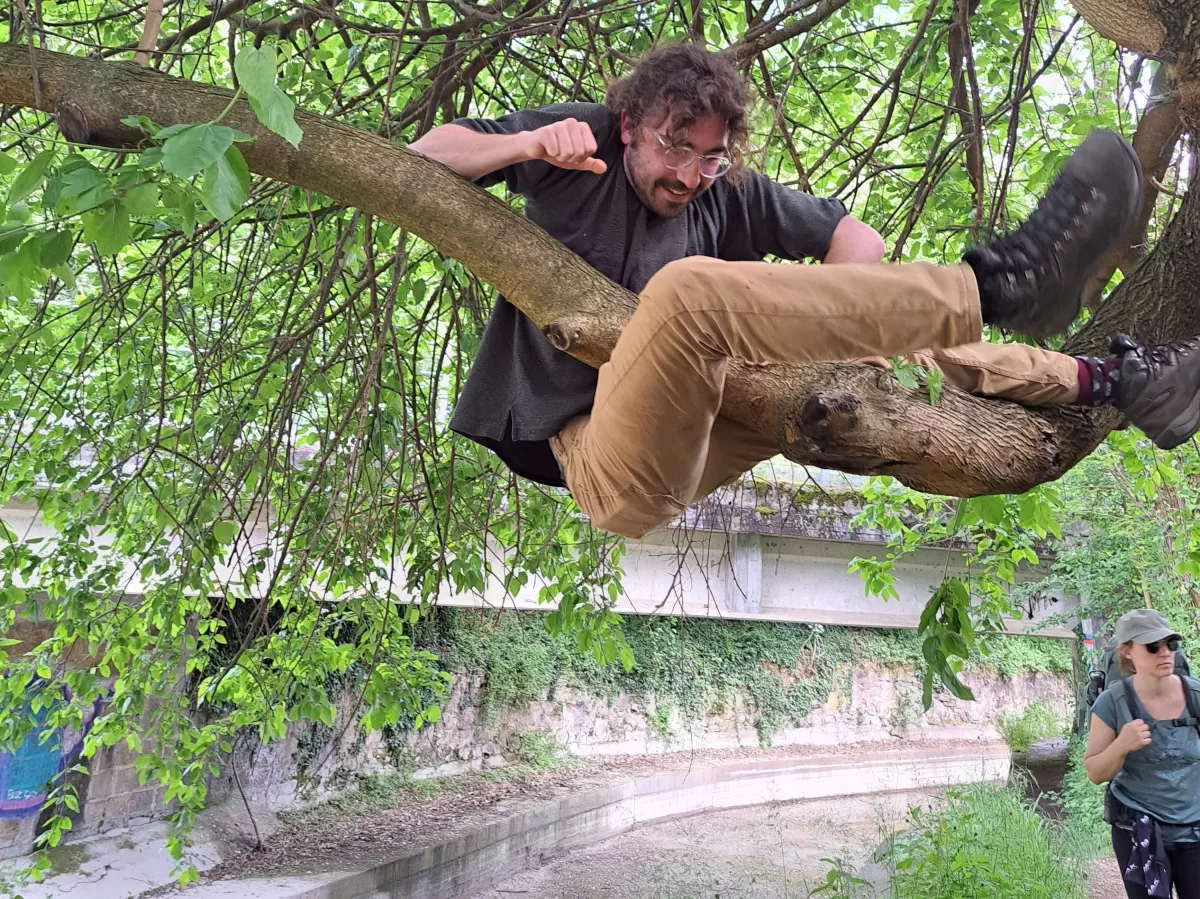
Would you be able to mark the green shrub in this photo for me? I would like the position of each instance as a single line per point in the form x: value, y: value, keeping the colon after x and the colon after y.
x: 1083, y: 802
x: 987, y: 842
x: 1036, y: 722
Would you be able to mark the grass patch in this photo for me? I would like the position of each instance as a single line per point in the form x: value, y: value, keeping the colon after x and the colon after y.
x: 542, y: 751
x: 1037, y: 721
x: 986, y: 842
x: 1083, y: 802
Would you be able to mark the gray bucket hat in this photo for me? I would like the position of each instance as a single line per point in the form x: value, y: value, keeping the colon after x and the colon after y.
x: 1143, y: 626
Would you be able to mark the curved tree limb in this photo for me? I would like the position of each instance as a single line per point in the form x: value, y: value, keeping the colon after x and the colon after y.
x: 1131, y: 24
x: 850, y: 417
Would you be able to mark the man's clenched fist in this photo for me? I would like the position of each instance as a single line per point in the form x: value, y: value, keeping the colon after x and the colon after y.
x: 568, y: 144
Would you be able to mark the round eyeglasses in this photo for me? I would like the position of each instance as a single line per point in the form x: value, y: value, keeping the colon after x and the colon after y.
x: 711, y: 166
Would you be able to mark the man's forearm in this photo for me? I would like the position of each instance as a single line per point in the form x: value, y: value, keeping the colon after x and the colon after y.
x: 470, y: 153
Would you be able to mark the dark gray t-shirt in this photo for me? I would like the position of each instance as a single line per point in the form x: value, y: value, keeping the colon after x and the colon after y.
x: 521, y: 390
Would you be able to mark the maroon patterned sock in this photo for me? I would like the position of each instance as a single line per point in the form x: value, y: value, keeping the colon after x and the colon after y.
x: 1097, y: 380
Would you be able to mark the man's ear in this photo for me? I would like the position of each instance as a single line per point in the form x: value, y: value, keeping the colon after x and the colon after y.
x: 626, y: 128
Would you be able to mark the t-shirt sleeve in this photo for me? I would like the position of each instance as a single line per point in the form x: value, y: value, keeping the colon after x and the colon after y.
x: 524, y: 177
x: 1106, y: 709
x: 765, y: 218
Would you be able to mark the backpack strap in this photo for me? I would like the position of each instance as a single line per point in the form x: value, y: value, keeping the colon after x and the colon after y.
x: 1131, y: 701
x: 1191, y: 695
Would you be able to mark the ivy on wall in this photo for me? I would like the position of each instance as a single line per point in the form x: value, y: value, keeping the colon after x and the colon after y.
x: 697, y: 666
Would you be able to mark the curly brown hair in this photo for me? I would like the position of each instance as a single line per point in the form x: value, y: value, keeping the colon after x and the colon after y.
x: 690, y: 83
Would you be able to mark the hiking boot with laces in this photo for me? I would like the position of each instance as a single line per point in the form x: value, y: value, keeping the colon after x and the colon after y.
x: 1032, y: 280
x: 1159, y: 388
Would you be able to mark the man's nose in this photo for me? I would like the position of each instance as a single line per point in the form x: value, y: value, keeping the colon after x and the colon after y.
x: 690, y: 174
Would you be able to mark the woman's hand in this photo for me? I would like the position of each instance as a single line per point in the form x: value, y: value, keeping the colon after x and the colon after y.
x: 1134, y: 736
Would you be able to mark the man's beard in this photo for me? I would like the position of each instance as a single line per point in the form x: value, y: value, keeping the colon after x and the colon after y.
x: 632, y: 173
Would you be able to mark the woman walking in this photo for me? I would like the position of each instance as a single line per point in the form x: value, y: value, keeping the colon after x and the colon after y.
x: 1145, y: 742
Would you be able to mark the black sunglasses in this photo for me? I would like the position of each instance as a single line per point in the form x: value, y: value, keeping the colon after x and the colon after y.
x: 1173, y: 643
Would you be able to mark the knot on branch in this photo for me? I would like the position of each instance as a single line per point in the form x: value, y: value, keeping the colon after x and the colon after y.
x: 562, y: 336
x: 72, y: 122
x: 824, y: 417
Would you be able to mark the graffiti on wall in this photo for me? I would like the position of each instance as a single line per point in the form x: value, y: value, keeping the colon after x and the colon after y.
x: 26, y: 774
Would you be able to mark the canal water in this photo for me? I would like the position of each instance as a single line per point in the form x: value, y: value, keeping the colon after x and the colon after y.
x: 1040, y: 772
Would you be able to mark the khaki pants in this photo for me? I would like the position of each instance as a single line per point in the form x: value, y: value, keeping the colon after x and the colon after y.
x: 654, y: 443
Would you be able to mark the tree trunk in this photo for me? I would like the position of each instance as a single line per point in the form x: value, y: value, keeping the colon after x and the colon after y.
x: 854, y: 418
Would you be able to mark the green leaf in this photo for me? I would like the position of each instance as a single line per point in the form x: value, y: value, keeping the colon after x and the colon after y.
x: 150, y: 157
x: 81, y: 189
x: 934, y: 381
x: 194, y: 148
x: 905, y: 372
x: 225, y: 531
x: 54, y: 247
x: 30, y: 177
x: 187, y: 209
x: 12, y: 234
x: 989, y: 509
x: 108, y: 228
x: 140, y: 121
x: 141, y: 201
x: 7, y: 164
x: 226, y: 185
x: 255, y: 70
x: 19, y: 213
x: 171, y: 131
x: 278, y: 113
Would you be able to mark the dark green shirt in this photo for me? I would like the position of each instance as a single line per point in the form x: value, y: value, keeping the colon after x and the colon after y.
x: 521, y: 390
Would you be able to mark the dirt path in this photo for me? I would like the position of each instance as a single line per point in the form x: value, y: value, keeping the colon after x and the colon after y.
x: 1104, y: 880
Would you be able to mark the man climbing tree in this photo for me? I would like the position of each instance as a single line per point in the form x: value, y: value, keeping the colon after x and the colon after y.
x: 654, y: 176
x: 231, y: 291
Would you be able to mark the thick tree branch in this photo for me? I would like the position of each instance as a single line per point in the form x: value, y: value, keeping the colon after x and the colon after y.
x: 851, y: 417
x: 1131, y: 24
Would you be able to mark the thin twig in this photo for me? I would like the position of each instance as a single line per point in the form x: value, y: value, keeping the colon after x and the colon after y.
x: 258, y: 843
x: 154, y: 17
x: 37, y: 86
x: 1163, y: 189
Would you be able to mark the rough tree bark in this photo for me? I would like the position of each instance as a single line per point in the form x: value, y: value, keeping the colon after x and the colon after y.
x: 850, y: 417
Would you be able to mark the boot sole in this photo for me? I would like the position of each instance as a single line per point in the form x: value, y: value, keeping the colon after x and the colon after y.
x: 1060, y: 317
x: 1182, y: 426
